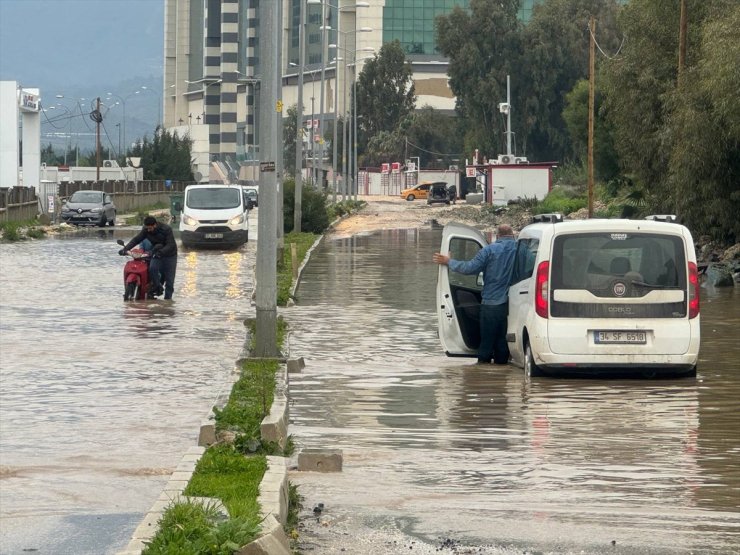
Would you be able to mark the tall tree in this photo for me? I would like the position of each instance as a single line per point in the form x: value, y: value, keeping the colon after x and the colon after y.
x: 704, y: 165
x: 556, y: 55
x: 385, y: 92
x: 483, y: 46
x: 167, y: 156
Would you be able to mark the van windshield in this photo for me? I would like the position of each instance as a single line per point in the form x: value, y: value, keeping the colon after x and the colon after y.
x: 610, y: 265
x: 213, y: 198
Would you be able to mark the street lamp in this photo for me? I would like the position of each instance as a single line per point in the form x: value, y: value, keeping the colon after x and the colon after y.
x: 253, y: 81
x: 123, y: 103
x: 344, y: 100
x: 323, y: 28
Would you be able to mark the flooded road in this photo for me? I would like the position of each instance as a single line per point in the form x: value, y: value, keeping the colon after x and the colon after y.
x: 442, y: 455
x: 99, y: 399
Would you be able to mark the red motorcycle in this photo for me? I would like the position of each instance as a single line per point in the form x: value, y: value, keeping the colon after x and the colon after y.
x: 136, y: 274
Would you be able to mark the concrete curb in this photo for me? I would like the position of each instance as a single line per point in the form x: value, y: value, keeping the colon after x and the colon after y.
x: 274, y: 490
x: 291, y: 293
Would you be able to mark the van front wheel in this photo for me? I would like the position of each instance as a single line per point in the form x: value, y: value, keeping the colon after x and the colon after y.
x: 531, y: 370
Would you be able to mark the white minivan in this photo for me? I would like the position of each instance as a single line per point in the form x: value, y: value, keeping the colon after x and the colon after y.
x: 214, y: 215
x: 588, y: 296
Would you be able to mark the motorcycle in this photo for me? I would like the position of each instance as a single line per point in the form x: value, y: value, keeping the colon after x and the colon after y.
x: 136, y: 274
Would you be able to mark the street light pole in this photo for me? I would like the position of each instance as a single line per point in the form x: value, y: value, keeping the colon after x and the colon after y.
x: 298, y: 203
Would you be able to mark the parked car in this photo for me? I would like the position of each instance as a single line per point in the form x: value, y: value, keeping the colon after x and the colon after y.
x: 251, y: 196
x: 440, y: 192
x: 89, y: 208
x: 417, y: 191
x: 590, y: 296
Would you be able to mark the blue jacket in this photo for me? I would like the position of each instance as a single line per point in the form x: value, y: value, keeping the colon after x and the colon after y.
x: 496, y: 262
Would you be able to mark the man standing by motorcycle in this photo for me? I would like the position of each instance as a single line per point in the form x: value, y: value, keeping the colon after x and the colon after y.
x: 164, y: 256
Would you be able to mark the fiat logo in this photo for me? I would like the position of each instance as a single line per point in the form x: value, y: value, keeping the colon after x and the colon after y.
x: 620, y: 289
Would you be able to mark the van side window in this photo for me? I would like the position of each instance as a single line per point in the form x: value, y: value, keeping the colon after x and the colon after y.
x: 526, y: 254
x: 464, y: 249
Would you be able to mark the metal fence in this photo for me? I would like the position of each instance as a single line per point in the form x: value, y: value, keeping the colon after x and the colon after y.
x: 18, y: 204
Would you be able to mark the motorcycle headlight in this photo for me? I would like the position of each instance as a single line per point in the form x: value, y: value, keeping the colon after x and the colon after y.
x: 189, y: 220
x: 236, y: 220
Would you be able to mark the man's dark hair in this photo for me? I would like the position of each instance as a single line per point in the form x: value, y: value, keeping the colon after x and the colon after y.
x: 150, y: 220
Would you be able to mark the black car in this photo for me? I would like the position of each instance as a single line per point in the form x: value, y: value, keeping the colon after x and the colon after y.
x: 441, y: 192
x: 89, y: 208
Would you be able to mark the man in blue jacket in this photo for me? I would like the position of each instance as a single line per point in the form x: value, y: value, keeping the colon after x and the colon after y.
x: 164, y: 256
x: 496, y: 262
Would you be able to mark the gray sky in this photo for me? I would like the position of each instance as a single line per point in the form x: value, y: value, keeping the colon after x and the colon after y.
x: 86, y: 48
x: 55, y: 44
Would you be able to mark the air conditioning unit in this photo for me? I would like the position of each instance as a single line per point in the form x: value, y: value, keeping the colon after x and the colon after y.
x: 110, y: 164
x: 505, y: 159
x: 520, y: 160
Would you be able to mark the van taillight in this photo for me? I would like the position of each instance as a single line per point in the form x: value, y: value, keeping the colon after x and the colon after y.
x: 541, y: 294
x: 693, y: 290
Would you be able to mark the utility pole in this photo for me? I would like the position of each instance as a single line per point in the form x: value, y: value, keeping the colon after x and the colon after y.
x: 324, y: 34
x: 279, y: 162
x: 266, y: 268
x: 591, y: 87
x: 98, y: 120
x: 682, y: 30
x: 298, y: 208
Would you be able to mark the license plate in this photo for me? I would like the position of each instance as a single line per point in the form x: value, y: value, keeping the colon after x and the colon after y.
x: 214, y: 235
x: 619, y: 336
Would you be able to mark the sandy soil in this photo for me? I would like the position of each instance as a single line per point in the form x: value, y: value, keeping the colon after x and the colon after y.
x: 387, y: 212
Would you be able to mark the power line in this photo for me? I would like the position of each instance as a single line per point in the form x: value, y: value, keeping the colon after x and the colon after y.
x: 430, y: 151
x: 613, y: 57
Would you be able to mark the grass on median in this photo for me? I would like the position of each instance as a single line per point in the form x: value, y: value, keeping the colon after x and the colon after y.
x: 303, y: 242
x: 233, y: 471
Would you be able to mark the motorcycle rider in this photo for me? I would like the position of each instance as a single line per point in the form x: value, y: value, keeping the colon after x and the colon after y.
x: 164, y: 256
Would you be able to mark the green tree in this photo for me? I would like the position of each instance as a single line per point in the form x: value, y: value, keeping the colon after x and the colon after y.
x: 166, y: 156
x: 385, y: 92
x: 704, y: 123
x: 575, y: 116
x: 49, y: 157
x: 483, y: 45
x: 556, y: 57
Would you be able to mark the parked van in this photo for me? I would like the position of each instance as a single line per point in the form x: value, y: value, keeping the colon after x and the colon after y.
x: 214, y: 215
x: 586, y: 296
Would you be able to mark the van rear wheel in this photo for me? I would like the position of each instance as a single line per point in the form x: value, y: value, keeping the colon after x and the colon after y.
x: 531, y: 370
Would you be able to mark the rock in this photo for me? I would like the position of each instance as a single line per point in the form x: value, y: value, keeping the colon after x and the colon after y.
x: 720, y: 275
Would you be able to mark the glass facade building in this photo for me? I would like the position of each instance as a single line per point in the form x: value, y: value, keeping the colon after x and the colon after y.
x: 411, y: 22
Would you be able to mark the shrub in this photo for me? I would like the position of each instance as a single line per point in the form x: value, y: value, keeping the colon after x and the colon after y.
x: 314, y: 212
x: 561, y: 200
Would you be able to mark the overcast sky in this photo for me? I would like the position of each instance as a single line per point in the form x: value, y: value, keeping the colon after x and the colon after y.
x: 82, y: 44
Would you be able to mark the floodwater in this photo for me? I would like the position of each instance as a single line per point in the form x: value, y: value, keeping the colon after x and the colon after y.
x: 99, y: 399
x: 442, y: 455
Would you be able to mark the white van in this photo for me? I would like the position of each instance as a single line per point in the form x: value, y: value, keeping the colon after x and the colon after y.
x: 586, y: 296
x: 214, y: 215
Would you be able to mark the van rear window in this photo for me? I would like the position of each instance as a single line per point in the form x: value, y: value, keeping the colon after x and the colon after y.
x: 621, y: 266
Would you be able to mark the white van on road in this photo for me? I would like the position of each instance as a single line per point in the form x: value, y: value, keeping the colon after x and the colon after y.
x: 586, y: 296
x: 214, y: 215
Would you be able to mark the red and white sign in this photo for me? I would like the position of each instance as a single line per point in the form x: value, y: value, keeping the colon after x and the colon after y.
x: 385, y: 168
x: 396, y: 167
x: 470, y: 171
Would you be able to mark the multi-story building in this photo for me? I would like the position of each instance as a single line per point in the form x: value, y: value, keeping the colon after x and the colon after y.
x: 212, y: 63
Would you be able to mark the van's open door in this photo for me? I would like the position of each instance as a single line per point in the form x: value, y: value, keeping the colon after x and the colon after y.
x: 458, y: 295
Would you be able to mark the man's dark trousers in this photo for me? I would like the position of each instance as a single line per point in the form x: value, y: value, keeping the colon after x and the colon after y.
x: 166, y: 267
x: 493, y: 322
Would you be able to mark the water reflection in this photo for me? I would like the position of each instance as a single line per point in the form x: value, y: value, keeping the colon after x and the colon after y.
x: 100, y: 398
x: 479, y: 452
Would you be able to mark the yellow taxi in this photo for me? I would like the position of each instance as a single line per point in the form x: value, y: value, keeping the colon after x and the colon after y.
x: 417, y: 191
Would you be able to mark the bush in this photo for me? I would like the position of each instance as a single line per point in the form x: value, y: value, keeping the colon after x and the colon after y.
x: 562, y: 201
x: 314, y: 212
